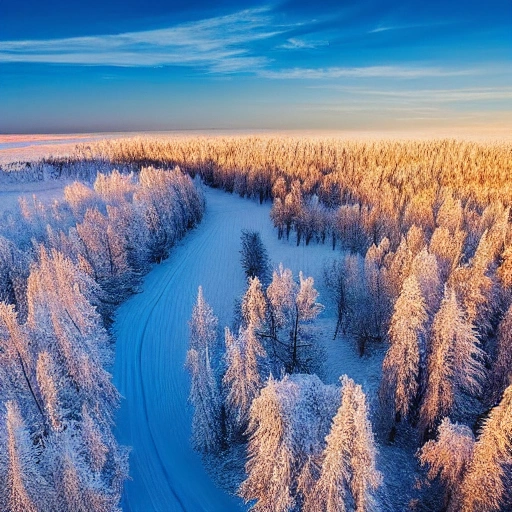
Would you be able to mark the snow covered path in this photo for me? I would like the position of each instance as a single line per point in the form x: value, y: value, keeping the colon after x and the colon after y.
x: 152, y: 338
x: 151, y: 331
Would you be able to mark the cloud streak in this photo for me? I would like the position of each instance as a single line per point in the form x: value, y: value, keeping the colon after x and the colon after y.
x: 403, y: 72
x: 219, y: 44
x: 300, y: 44
x: 469, y: 94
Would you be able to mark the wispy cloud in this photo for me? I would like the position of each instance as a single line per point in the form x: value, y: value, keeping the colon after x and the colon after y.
x: 387, y: 28
x: 468, y: 94
x: 220, y: 44
x: 363, y: 72
x: 301, y: 44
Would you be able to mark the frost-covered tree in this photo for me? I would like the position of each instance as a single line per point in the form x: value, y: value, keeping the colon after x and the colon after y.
x: 289, y: 421
x: 202, y: 325
x: 475, y: 292
x: 455, y: 363
x: 501, y: 375
x: 378, y: 310
x: 24, y: 488
x: 204, y: 392
x: 77, y: 487
x: 348, y: 473
x: 204, y: 396
x: 400, y: 369
x: 65, y: 323
x: 334, y: 278
x: 105, y: 249
x: 426, y: 269
x: 281, y: 296
x: 242, y: 379
x: 271, y: 458
x: 96, y: 446
x: 254, y: 304
x: 291, y: 307
x: 447, y: 247
x: 17, y: 378
x: 486, y: 483
x: 448, y: 457
x: 48, y: 382
x: 14, y: 268
x: 255, y: 261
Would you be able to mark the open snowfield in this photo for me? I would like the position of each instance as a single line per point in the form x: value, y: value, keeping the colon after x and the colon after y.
x: 44, y: 191
x: 152, y: 340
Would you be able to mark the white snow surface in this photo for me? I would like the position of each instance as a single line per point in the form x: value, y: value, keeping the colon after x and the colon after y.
x: 152, y: 339
x: 43, y: 191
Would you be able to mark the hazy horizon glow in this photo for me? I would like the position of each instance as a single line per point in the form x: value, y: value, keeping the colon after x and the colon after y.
x: 130, y: 66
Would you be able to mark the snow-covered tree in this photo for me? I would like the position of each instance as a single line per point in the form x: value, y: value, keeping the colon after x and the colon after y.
x: 254, y: 304
x: 425, y: 268
x: 334, y: 277
x: 243, y: 379
x: 455, y: 363
x: 202, y: 325
x: 447, y: 247
x: 348, y: 473
x: 291, y: 306
x: 96, y: 449
x: 448, y: 457
x: 254, y: 257
x: 271, y: 458
x: 487, y: 480
x: 501, y: 375
x: 378, y: 309
x: 64, y: 322
x: 400, y: 369
x: 204, y: 396
x: 289, y: 421
x: 105, y: 250
x: 77, y: 487
x: 48, y: 382
x: 17, y: 377
x: 24, y: 488
x: 204, y: 392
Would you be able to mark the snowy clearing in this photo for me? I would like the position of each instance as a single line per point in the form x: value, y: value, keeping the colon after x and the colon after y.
x: 44, y: 191
x: 152, y: 340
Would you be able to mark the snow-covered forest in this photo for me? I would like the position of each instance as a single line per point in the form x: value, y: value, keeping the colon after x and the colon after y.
x: 64, y: 268
x: 412, y: 250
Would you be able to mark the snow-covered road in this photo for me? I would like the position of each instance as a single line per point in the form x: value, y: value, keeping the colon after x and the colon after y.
x: 152, y: 338
x: 151, y: 331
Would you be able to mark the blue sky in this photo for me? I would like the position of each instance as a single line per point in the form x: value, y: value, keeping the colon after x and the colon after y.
x: 74, y: 66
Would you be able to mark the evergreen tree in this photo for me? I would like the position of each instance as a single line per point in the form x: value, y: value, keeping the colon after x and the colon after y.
x: 400, y: 369
x: 486, y: 483
x: 242, y: 379
x: 448, y: 457
x: 501, y: 375
x: 254, y: 304
x: 25, y: 488
x: 271, y: 457
x: 202, y: 325
x: 454, y: 365
x: 204, y: 396
x: 255, y: 260
x: 348, y: 473
x: 204, y: 392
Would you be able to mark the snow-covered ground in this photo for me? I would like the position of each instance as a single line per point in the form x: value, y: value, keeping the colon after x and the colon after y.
x: 44, y: 191
x: 152, y: 340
